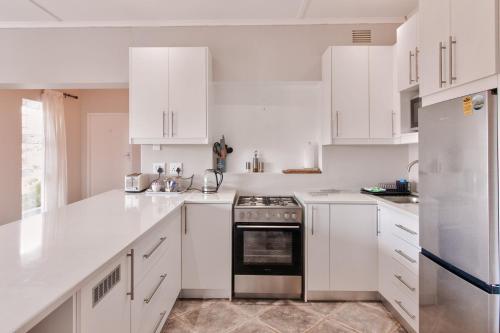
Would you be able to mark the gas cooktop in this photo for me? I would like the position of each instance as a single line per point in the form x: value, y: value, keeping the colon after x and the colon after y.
x: 267, y: 209
x: 265, y: 201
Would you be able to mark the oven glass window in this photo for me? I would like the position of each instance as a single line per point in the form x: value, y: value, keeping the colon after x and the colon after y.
x: 267, y: 247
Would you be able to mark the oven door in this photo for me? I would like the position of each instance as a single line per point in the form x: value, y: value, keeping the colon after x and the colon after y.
x: 267, y: 249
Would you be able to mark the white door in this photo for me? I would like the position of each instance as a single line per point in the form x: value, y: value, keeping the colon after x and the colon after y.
x: 148, y: 92
x: 206, y: 247
x: 318, y: 247
x: 407, y: 57
x: 109, y: 156
x: 381, y: 90
x: 350, y: 91
x: 433, y: 29
x: 473, y: 28
x: 354, y: 249
x: 188, y: 92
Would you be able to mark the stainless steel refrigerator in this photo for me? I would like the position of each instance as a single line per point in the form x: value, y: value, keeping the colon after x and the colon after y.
x: 459, y: 232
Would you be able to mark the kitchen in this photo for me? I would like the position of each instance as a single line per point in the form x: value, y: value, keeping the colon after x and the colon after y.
x: 329, y: 97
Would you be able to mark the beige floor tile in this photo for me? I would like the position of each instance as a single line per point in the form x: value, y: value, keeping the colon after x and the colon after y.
x: 175, y: 325
x: 215, y: 317
x: 330, y: 326
x: 183, y: 306
x: 364, y: 318
x: 325, y: 308
x: 252, y: 326
x: 289, y: 319
x: 252, y: 307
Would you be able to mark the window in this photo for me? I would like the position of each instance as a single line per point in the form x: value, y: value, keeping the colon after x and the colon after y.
x: 32, y: 157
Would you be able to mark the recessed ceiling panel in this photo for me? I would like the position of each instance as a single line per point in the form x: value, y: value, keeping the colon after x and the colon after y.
x: 21, y: 10
x: 359, y: 8
x: 124, y: 10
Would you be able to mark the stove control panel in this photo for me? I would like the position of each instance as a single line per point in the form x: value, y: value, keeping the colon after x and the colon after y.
x: 268, y: 215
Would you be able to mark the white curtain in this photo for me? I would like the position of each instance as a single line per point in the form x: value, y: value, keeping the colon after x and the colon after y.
x: 55, y: 182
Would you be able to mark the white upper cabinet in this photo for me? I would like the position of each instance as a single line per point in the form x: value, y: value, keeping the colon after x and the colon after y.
x: 169, y: 95
x: 458, y: 41
x: 357, y: 98
x: 408, y: 54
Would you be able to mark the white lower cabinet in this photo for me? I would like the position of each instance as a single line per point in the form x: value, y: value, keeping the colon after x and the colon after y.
x: 341, y: 250
x: 136, y: 291
x: 206, y: 250
x: 398, y: 263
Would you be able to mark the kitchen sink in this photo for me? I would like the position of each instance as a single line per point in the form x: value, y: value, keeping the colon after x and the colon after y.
x: 401, y: 199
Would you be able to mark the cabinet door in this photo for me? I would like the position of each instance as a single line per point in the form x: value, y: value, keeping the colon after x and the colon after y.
x: 350, y: 91
x: 407, y: 54
x: 384, y: 253
x: 318, y: 247
x: 381, y: 89
x: 473, y: 28
x: 188, y: 77
x: 107, y: 308
x: 433, y: 29
x: 353, y: 257
x: 148, y: 92
x: 327, y: 125
x: 206, y: 247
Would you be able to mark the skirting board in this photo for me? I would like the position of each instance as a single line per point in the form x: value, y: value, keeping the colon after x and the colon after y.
x: 343, y: 296
x: 205, y: 293
x: 396, y: 315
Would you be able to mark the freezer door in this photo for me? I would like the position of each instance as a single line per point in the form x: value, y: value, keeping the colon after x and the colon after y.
x: 458, y: 183
x: 450, y: 304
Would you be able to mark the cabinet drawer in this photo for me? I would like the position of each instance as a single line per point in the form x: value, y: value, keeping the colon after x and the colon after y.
x: 405, y: 280
x: 149, y: 249
x: 405, y: 253
x: 405, y: 306
x: 406, y: 228
x: 156, y: 294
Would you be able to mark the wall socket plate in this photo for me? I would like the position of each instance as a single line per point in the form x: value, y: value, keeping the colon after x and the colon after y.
x: 157, y: 165
x: 172, y: 168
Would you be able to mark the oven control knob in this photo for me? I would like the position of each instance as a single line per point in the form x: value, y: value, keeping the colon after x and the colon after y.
x: 286, y: 216
x: 294, y: 216
x: 278, y: 215
x: 249, y: 214
x: 268, y: 216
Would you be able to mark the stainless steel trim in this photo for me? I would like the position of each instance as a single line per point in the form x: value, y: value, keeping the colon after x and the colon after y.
x: 185, y: 220
x: 150, y: 253
x: 410, y: 77
x: 450, y: 59
x: 404, y: 255
x: 162, y: 278
x: 131, y: 292
x: 417, y: 77
x: 267, y: 227
x: 328, y: 295
x: 412, y: 316
x: 312, y: 219
x: 268, y: 286
x: 338, y: 112
x: 162, y: 315
x: 400, y: 278
x: 378, y: 221
x: 163, y: 124
x: 392, y: 122
x: 172, y: 124
x: 402, y: 227
x: 441, y: 48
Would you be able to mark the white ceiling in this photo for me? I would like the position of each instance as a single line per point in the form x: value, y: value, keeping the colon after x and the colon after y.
x: 199, y: 12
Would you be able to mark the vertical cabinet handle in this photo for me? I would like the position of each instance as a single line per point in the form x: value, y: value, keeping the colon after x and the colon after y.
x: 393, y: 114
x: 417, y: 77
x: 131, y: 292
x: 378, y: 221
x: 163, y: 123
x: 452, y: 42
x: 171, y: 123
x: 312, y: 220
x: 337, y: 115
x: 185, y: 219
x: 410, y: 68
x: 441, y: 49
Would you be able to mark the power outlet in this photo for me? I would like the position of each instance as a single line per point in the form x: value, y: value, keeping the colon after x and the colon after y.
x: 158, y: 165
x: 172, y: 169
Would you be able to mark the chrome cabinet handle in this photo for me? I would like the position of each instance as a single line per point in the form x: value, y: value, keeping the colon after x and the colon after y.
x: 131, y: 292
x: 392, y: 123
x: 452, y: 42
x: 172, y: 124
x: 404, y: 255
x: 402, y: 227
x: 150, y: 253
x: 312, y: 220
x: 400, y: 278
x: 267, y: 227
x: 185, y: 220
x: 412, y: 316
x: 410, y: 67
x: 338, y: 134
x: 417, y: 77
x: 162, y: 315
x: 441, y: 48
x: 162, y: 278
x: 378, y: 221
x: 163, y: 123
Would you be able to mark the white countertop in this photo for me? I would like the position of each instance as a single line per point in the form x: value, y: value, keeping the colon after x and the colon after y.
x: 411, y: 209
x: 46, y: 257
x: 342, y: 197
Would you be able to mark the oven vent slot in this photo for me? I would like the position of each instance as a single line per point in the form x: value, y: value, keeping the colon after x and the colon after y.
x: 361, y: 36
x: 105, y: 285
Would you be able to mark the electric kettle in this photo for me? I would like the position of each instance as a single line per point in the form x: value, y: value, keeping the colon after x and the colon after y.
x: 212, y: 179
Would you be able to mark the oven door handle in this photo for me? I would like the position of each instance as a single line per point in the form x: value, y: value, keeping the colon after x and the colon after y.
x: 268, y: 227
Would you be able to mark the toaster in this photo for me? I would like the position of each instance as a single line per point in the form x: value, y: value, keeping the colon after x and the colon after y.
x: 136, y: 182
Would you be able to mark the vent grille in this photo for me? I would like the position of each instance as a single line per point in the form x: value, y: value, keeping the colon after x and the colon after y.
x: 105, y: 285
x: 361, y: 36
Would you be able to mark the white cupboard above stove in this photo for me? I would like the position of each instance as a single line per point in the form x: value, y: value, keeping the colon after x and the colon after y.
x: 169, y: 92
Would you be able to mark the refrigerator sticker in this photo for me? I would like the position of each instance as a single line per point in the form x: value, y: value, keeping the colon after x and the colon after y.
x: 467, y: 105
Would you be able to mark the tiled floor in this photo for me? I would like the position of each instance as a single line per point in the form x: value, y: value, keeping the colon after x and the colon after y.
x: 266, y: 316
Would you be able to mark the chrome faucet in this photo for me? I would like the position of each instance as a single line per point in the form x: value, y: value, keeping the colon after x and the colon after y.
x: 412, y: 163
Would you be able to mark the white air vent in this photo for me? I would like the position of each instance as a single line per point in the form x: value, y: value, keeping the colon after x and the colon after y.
x: 361, y: 36
x: 105, y: 285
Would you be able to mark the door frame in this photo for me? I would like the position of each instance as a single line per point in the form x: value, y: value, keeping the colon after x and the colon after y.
x: 88, y: 151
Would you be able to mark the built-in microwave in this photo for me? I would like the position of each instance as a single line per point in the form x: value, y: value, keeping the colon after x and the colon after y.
x: 415, y: 105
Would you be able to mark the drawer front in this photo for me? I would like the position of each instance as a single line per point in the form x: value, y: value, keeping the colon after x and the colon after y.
x: 149, y: 249
x: 405, y: 306
x: 405, y: 280
x: 156, y: 294
x: 405, y: 253
x: 406, y: 228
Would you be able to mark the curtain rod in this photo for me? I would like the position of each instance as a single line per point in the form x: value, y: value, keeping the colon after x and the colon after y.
x: 70, y: 96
